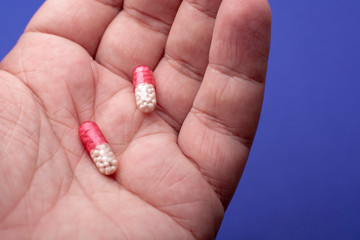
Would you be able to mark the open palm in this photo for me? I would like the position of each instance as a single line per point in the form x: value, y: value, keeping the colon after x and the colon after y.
x: 178, y: 166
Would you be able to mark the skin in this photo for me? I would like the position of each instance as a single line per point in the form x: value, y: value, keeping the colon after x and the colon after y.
x: 178, y: 166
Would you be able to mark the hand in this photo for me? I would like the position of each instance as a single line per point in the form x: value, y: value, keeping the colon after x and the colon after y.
x: 179, y: 166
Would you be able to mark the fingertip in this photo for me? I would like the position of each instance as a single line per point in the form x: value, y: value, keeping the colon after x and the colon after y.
x: 241, y: 40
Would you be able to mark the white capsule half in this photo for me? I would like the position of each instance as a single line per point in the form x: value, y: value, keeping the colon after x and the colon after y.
x: 145, y: 97
x: 104, y: 159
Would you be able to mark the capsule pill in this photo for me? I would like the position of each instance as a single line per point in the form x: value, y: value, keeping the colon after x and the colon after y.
x: 144, y: 86
x: 97, y: 147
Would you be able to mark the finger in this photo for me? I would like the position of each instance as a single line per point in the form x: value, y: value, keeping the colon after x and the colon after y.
x: 186, y: 56
x: 137, y: 36
x: 81, y: 21
x: 218, y: 132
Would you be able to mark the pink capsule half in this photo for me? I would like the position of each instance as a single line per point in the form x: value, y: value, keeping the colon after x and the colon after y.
x: 144, y: 86
x: 97, y: 147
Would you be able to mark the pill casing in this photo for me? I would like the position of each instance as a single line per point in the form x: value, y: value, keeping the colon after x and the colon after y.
x: 144, y: 87
x: 97, y: 147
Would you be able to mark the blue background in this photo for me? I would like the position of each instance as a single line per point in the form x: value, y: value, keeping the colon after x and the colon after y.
x: 302, y: 180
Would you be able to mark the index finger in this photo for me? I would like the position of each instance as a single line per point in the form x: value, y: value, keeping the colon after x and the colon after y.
x: 218, y: 132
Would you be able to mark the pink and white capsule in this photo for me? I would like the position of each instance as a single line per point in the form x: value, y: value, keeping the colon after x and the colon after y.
x: 144, y: 86
x: 97, y: 147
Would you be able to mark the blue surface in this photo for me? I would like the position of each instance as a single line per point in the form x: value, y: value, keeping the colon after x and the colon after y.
x: 302, y: 180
